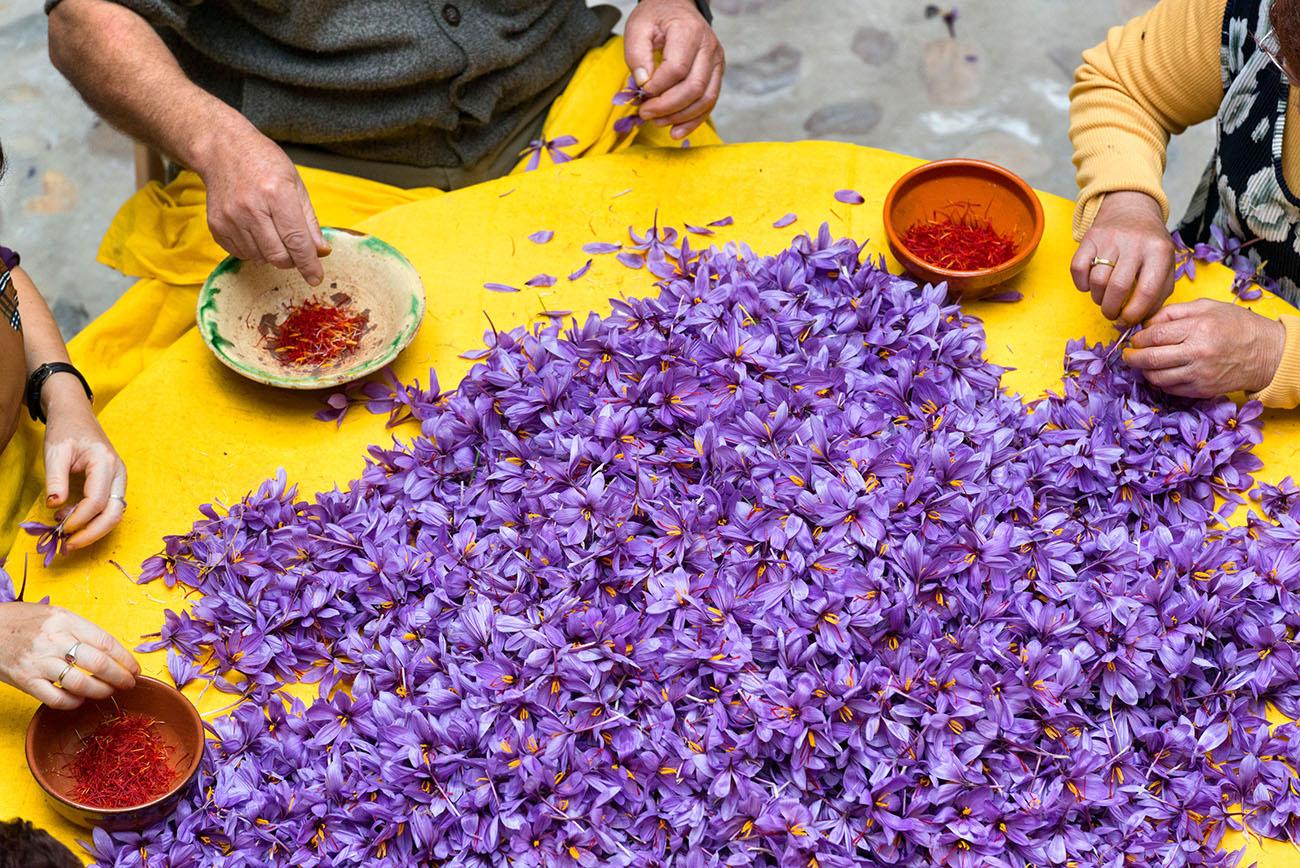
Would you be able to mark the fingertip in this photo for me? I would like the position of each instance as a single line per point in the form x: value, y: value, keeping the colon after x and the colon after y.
x: 680, y: 132
x: 640, y: 76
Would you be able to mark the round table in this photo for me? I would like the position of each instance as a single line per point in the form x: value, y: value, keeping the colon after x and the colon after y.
x: 193, y: 432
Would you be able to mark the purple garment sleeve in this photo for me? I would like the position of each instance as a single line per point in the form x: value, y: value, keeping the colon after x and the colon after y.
x: 8, y: 257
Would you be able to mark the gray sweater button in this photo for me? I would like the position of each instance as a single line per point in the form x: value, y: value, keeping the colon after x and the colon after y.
x: 451, y: 15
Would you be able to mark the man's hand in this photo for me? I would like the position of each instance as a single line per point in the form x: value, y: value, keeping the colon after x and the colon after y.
x: 1130, y: 232
x: 1204, y: 349
x: 258, y: 208
x: 684, y: 88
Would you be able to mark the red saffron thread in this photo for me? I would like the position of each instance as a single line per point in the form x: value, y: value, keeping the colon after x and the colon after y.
x: 124, y: 763
x: 315, y: 334
x: 958, y: 240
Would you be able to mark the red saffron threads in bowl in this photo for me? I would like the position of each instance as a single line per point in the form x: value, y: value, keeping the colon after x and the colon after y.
x: 122, y: 764
x: 315, y: 333
x: 959, y: 241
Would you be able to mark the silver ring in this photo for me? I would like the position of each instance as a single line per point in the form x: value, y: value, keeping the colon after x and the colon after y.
x: 58, y: 682
x: 119, y: 497
x: 71, y: 656
x: 1101, y: 260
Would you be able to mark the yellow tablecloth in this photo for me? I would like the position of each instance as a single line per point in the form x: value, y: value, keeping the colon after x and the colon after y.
x: 192, y: 432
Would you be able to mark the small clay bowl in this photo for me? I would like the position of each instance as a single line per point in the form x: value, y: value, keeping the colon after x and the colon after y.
x: 992, y: 192
x: 54, y: 736
x: 240, y: 299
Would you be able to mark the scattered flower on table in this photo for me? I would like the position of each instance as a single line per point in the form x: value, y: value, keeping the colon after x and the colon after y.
x: 541, y: 236
x: 541, y: 280
x: 500, y: 287
x: 1250, y: 281
x: 785, y: 221
x: 763, y: 570
x: 554, y: 148
x: 50, y: 539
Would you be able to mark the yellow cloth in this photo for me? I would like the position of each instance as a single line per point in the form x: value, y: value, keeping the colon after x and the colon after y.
x: 194, y: 432
x: 1151, y: 79
x: 161, y: 235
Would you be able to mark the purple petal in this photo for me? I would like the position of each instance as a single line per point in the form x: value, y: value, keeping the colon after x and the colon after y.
x: 724, y: 221
x: 599, y: 247
x: 632, y: 259
x: 541, y: 236
x: 541, y: 280
x: 500, y: 287
x: 1010, y: 296
x: 785, y: 221
x: 581, y: 271
x: 698, y: 230
x: 849, y: 197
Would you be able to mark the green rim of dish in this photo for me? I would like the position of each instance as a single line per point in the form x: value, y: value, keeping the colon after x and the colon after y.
x: 211, y: 334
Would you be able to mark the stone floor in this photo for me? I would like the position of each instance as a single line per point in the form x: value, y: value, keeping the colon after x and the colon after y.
x: 876, y: 72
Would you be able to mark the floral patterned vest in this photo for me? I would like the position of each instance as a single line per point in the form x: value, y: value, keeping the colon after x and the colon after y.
x: 1243, y: 191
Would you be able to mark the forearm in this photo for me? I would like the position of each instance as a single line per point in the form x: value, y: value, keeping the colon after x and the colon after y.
x: 126, y: 73
x: 1150, y: 79
x: 42, y: 343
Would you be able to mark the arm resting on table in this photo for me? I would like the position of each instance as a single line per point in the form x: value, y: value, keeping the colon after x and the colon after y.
x: 1151, y: 79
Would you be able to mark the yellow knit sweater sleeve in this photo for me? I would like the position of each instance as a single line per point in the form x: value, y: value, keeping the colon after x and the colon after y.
x: 1152, y: 78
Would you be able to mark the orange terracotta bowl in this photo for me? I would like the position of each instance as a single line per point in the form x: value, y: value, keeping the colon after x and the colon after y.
x: 53, y: 737
x: 992, y: 192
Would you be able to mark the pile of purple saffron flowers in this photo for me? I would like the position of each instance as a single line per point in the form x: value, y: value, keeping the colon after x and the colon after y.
x: 765, y: 570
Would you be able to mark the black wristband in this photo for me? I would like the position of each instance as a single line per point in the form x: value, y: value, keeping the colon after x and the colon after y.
x: 36, y: 382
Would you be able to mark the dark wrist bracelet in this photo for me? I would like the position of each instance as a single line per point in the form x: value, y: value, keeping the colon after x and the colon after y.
x: 36, y: 382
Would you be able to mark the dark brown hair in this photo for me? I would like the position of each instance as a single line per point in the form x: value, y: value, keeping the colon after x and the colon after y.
x: 22, y: 845
x: 1285, y: 18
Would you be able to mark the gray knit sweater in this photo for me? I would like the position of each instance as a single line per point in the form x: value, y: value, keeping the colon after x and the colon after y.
x: 420, y: 82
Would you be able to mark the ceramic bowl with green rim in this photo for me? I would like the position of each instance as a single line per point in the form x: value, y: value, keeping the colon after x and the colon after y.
x: 243, y: 307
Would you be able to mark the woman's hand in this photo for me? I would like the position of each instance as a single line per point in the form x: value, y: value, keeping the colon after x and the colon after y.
x: 76, y: 444
x: 35, y: 641
x: 1130, y: 231
x: 685, y: 86
x: 1204, y: 349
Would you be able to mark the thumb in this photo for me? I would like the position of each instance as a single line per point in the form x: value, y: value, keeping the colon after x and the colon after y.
x: 639, y: 48
x: 58, y: 462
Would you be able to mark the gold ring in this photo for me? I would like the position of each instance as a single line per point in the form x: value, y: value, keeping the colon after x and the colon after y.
x: 58, y: 682
x: 1099, y: 260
